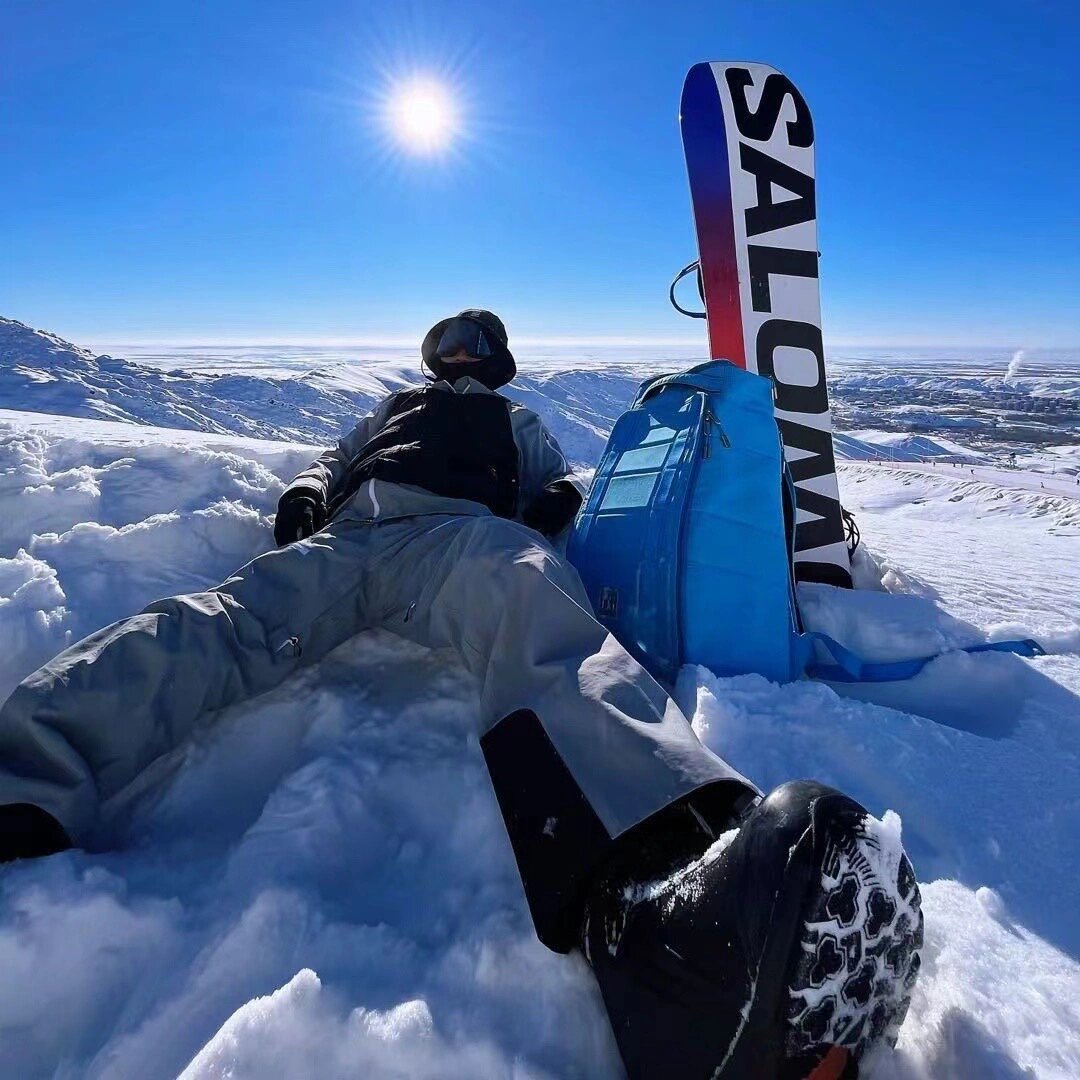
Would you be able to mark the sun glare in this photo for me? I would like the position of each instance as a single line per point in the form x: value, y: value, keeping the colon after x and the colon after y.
x: 423, y: 116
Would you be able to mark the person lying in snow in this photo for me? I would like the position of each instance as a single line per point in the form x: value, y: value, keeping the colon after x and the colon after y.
x: 731, y: 935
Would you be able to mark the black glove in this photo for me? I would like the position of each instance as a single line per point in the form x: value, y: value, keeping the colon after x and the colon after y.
x: 553, y: 509
x: 298, y: 516
x: 28, y: 832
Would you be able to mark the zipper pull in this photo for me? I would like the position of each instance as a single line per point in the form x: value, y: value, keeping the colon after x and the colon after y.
x: 710, y: 420
x: 294, y: 643
x: 725, y: 441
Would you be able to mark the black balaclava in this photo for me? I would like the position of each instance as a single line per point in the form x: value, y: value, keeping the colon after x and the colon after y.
x: 493, y: 371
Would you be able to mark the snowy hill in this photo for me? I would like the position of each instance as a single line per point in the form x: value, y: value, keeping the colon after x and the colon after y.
x: 895, y: 446
x: 40, y: 372
x: 323, y: 886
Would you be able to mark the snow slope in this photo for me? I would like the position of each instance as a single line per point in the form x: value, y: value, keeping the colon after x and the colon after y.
x: 871, y: 445
x: 324, y: 888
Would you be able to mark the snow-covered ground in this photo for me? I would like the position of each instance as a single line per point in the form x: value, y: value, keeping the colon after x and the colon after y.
x: 323, y: 887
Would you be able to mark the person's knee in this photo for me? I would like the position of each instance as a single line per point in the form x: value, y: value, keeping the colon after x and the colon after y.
x: 210, y: 603
x: 524, y: 574
x: 488, y: 533
x: 504, y: 562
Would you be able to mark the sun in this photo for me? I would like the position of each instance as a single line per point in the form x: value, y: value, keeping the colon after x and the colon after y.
x: 423, y: 116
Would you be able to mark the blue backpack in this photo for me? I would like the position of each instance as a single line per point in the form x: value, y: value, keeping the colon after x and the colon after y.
x: 685, y: 542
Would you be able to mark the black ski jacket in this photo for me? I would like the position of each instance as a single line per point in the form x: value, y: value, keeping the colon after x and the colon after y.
x: 431, y: 448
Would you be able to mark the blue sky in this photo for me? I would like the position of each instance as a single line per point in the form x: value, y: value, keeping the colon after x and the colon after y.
x: 220, y: 171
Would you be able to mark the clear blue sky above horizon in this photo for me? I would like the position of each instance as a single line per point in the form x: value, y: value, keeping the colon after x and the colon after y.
x: 188, y: 171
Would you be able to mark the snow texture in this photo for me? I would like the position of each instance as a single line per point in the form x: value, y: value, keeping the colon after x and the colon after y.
x: 323, y: 886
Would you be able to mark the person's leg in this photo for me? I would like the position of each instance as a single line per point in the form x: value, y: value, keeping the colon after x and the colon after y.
x: 798, y: 930
x: 80, y: 729
x: 581, y: 742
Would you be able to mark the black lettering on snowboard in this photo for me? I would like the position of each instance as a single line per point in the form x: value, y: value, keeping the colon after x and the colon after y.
x: 767, y: 171
x: 825, y: 527
x: 816, y: 445
x: 793, y: 397
x: 822, y: 523
x: 785, y: 262
x: 760, y: 125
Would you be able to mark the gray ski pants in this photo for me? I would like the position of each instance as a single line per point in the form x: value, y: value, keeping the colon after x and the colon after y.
x: 79, y: 731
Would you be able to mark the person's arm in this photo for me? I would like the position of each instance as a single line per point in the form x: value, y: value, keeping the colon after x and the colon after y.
x: 303, y: 505
x: 549, y: 496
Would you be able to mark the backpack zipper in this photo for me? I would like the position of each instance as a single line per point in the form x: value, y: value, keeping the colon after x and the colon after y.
x: 710, y: 419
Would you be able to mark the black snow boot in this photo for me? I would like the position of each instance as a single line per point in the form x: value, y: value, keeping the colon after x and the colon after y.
x: 786, y: 950
x: 27, y: 832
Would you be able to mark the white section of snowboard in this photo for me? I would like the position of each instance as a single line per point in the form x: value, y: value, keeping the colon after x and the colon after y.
x: 793, y: 299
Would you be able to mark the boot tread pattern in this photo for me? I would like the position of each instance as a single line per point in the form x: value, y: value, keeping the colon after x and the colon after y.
x: 851, y: 980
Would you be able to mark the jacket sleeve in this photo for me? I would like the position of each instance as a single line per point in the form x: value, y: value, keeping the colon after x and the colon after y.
x: 324, y: 476
x: 549, y: 494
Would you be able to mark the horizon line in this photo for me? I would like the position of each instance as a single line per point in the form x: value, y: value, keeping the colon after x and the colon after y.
x: 397, y: 341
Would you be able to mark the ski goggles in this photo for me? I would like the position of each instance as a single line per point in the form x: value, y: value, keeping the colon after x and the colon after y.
x: 464, y: 334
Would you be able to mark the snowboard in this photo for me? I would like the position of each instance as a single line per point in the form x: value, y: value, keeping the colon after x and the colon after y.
x: 748, y: 139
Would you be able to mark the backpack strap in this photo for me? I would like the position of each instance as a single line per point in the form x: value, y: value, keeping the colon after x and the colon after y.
x: 850, y: 667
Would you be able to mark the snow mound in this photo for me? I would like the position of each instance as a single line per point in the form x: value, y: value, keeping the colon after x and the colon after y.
x: 354, y: 833
x: 283, y: 1033
x: 86, y: 501
x: 996, y: 1001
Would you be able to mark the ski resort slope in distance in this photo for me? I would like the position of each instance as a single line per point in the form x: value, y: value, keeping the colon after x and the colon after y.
x: 321, y: 886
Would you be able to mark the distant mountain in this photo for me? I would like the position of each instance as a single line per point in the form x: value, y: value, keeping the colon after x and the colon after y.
x: 40, y: 372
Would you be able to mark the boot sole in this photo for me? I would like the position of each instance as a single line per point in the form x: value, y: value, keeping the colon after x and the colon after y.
x: 858, y: 954
x: 834, y: 975
x: 842, y: 975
